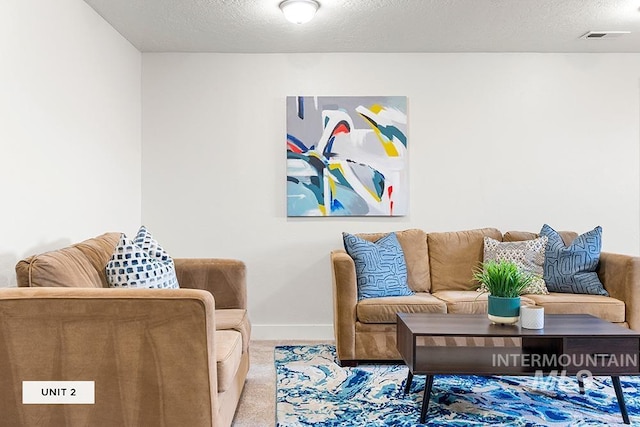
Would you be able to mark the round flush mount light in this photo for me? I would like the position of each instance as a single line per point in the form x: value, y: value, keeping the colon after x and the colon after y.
x: 299, y: 11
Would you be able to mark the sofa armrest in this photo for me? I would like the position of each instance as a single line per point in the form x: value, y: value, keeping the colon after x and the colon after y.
x: 620, y: 275
x: 150, y: 352
x: 224, y: 278
x: 345, y: 299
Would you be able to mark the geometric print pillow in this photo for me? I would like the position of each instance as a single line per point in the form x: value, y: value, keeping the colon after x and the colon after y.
x: 381, y: 270
x: 572, y: 269
x: 528, y: 255
x: 143, y: 265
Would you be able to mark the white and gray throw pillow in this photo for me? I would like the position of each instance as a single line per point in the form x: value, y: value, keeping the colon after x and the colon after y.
x: 529, y: 255
x: 141, y: 263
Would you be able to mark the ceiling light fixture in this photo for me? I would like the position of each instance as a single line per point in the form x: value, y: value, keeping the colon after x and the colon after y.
x: 299, y: 11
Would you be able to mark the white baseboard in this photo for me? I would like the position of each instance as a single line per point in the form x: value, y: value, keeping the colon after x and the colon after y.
x: 292, y: 332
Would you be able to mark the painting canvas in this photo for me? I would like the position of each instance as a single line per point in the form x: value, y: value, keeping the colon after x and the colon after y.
x: 347, y: 156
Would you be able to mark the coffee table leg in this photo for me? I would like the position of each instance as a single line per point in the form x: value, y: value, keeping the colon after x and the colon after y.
x: 407, y: 386
x: 425, y: 399
x: 581, y: 384
x: 620, y: 396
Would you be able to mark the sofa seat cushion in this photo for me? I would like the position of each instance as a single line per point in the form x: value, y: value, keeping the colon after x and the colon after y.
x: 471, y: 302
x: 383, y: 310
x: 606, y: 308
x: 228, y: 357
x: 235, y: 319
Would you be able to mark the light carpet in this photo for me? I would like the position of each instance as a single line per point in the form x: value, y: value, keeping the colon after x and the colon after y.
x: 313, y: 390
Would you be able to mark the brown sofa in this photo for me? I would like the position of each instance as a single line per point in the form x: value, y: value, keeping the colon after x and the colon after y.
x: 159, y: 357
x: 439, y: 268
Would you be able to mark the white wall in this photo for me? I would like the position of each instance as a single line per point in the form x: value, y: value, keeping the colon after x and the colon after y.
x: 504, y: 140
x: 70, y: 128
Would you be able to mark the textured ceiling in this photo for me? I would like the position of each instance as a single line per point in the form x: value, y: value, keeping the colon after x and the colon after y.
x: 254, y: 26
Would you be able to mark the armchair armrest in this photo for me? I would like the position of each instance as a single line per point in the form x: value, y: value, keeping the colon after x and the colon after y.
x: 224, y: 278
x: 150, y: 352
x: 620, y: 275
x: 345, y: 299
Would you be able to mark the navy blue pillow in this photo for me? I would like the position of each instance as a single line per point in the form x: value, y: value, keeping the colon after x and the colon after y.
x: 572, y: 269
x: 381, y: 270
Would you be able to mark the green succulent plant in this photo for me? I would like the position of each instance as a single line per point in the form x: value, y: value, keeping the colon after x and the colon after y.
x: 503, y: 278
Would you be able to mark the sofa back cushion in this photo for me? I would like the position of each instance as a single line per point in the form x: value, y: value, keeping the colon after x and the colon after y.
x: 80, y: 266
x: 454, y: 255
x: 416, y: 256
x: 518, y: 236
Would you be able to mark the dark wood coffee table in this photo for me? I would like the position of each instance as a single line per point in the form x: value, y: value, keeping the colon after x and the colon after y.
x: 569, y: 344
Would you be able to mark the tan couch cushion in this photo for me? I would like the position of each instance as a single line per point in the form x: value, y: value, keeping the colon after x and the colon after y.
x: 470, y: 302
x: 518, y: 236
x: 78, y: 266
x: 235, y: 319
x: 383, y: 310
x: 416, y: 255
x: 454, y: 255
x: 228, y: 357
x: 606, y: 308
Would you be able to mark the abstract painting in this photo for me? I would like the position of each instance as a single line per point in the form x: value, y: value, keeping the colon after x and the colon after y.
x: 347, y: 156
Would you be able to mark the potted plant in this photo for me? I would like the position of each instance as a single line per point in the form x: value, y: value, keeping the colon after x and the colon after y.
x: 504, y: 281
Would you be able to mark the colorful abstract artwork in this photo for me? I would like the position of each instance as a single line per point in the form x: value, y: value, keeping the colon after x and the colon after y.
x: 347, y: 156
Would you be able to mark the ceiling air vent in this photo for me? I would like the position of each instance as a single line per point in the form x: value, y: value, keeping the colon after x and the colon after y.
x: 604, y: 35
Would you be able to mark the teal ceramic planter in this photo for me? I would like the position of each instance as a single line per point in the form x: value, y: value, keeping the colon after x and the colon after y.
x: 503, y: 310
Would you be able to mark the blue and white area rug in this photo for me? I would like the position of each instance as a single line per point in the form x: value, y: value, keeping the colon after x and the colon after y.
x: 313, y: 390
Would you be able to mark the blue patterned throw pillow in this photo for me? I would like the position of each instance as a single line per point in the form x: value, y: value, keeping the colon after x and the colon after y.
x: 147, y: 243
x: 572, y: 269
x: 141, y: 264
x: 381, y: 270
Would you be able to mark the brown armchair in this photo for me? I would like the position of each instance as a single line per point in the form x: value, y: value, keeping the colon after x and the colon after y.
x: 157, y: 356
